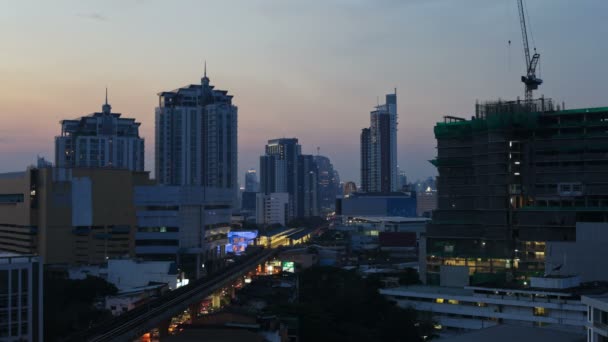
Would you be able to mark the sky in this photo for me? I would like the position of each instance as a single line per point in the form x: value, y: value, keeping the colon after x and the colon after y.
x: 308, y: 69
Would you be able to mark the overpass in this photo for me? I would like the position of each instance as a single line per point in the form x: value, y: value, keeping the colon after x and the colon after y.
x: 140, y: 320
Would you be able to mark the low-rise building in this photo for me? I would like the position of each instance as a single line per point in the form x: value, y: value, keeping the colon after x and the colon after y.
x: 597, y: 317
x: 182, y: 224
x: 470, y: 308
x: 272, y: 208
x: 377, y: 204
x: 21, y: 298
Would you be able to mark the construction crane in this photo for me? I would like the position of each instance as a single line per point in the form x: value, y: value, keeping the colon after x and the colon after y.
x: 530, y: 80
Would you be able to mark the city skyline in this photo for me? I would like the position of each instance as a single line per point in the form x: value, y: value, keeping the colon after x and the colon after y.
x: 329, y: 61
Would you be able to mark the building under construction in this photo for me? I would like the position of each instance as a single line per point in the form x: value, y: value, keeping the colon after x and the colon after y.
x: 515, y: 176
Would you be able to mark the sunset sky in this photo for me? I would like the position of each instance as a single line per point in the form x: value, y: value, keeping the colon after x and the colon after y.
x: 306, y: 69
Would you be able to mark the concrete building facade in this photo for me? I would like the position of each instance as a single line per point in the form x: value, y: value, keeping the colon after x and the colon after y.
x: 272, y: 208
x: 21, y: 297
x: 68, y: 215
x: 179, y: 222
x: 513, y: 178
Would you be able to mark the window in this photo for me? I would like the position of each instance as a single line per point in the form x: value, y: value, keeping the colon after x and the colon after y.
x: 540, y: 311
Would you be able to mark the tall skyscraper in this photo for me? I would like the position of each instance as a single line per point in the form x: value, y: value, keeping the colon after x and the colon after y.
x: 307, y: 190
x: 102, y: 139
x: 328, y: 184
x: 196, y: 137
x: 251, y: 181
x: 379, y: 149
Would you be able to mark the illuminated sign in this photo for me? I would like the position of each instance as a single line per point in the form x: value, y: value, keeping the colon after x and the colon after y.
x: 239, y: 240
x: 289, y: 266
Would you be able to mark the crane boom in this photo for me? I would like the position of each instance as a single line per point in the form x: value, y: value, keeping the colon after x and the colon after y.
x: 530, y: 80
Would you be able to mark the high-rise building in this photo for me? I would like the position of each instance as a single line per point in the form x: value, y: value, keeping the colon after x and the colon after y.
x: 251, y: 181
x: 366, y: 176
x: 515, y: 177
x: 307, y: 190
x: 21, y: 296
x: 402, y: 181
x: 279, y: 170
x: 285, y: 170
x: 426, y: 202
x: 101, y: 139
x: 379, y: 149
x: 328, y: 184
x: 196, y: 137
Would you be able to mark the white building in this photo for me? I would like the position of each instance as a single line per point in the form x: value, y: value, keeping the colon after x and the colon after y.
x: 479, y: 307
x: 20, y: 297
x: 597, y: 317
x: 178, y: 221
x: 100, y: 140
x: 196, y: 137
x: 272, y: 208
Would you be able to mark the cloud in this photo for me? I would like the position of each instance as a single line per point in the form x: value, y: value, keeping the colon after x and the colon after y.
x: 94, y: 16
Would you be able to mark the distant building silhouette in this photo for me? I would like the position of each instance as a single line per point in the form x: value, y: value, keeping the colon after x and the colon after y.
x: 328, y: 184
x: 349, y: 188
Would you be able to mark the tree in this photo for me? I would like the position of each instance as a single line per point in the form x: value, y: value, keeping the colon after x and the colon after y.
x: 338, y: 305
x: 69, y: 305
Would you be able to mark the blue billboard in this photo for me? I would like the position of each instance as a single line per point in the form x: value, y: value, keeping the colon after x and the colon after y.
x: 239, y: 240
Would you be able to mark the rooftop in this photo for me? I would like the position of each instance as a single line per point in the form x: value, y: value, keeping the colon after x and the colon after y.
x: 520, y: 333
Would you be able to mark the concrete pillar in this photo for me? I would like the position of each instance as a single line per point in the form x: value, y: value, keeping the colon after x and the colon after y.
x: 198, y: 266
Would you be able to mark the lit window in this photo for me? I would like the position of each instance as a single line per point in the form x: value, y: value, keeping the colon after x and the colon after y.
x: 539, y: 311
x: 439, y: 300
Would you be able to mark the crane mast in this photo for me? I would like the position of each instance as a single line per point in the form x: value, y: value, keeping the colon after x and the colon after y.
x: 530, y: 80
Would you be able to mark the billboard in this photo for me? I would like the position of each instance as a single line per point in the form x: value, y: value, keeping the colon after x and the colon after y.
x: 239, y: 240
x: 289, y: 266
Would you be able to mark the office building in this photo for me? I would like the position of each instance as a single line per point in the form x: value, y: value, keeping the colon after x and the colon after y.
x: 515, y: 177
x: 21, y: 298
x: 402, y: 182
x: 328, y: 184
x: 68, y: 215
x: 196, y: 137
x: 102, y: 139
x: 379, y: 149
x: 426, y: 202
x: 251, y: 181
x: 307, y: 187
x: 285, y: 170
x: 272, y: 208
x: 349, y: 188
x: 185, y: 224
